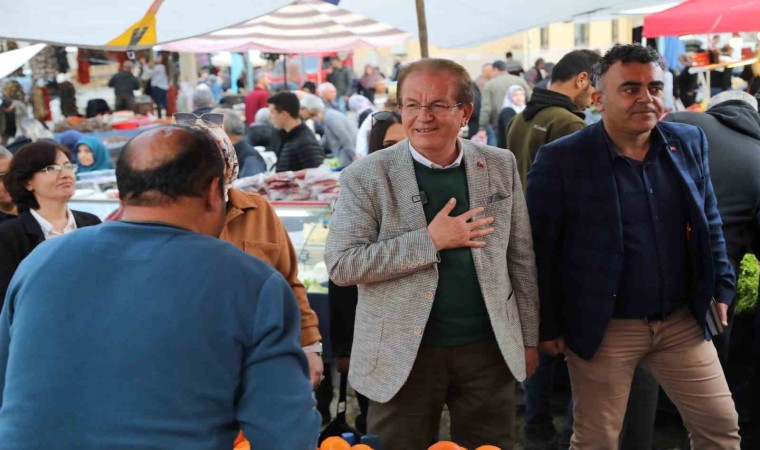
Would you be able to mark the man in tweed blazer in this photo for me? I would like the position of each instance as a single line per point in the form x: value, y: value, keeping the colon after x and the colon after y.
x: 630, y: 253
x: 435, y: 232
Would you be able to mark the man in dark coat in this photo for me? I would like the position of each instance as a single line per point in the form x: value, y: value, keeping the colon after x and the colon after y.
x: 124, y: 83
x: 631, y: 258
x: 294, y: 144
x: 732, y: 126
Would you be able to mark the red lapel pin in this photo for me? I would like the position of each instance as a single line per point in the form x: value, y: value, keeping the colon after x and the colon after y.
x: 480, y: 165
x: 673, y: 148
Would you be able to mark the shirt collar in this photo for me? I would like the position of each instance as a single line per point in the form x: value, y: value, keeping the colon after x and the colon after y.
x: 47, y: 227
x: 417, y: 156
x: 656, y: 144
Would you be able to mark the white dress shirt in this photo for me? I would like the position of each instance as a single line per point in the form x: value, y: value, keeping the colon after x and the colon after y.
x: 417, y: 156
x: 47, y: 227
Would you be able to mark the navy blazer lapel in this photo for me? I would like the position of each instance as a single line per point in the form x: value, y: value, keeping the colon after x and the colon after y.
x: 406, y: 192
x: 32, y: 227
x: 678, y: 156
x: 604, y: 177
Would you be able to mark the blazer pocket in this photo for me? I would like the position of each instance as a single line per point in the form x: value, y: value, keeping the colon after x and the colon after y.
x: 368, y: 332
x: 265, y: 251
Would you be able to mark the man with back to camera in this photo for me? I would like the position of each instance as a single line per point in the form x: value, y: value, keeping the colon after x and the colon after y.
x: 181, y: 342
x: 630, y: 254
x: 435, y: 232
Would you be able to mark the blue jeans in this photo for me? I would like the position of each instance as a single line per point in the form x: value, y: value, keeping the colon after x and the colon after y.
x: 537, y: 390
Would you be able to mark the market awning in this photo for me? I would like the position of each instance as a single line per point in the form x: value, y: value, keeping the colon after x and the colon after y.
x: 463, y: 24
x: 115, y: 25
x: 704, y: 16
x: 305, y: 26
x: 451, y: 23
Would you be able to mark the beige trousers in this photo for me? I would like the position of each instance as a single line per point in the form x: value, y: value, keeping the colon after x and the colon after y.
x: 676, y: 354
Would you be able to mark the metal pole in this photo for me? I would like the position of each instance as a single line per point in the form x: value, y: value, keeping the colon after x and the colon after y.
x: 422, y: 25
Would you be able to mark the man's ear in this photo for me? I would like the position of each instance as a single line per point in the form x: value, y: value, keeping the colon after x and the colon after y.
x: 596, y: 99
x: 468, y: 109
x: 214, y: 193
x: 582, y: 80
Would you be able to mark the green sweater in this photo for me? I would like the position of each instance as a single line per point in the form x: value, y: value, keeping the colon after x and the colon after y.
x: 459, y: 314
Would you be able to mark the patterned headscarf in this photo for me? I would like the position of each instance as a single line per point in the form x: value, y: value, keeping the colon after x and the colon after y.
x: 231, y: 168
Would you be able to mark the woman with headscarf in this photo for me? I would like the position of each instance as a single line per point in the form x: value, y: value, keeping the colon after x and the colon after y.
x: 361, y: 106
x: 514, y: 104
x: 92, y: 155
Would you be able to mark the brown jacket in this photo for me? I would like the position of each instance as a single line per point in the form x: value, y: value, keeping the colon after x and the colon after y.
x: 252, y: 226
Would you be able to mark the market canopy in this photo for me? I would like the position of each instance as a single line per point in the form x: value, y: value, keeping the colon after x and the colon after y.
x: 704, y: 16
x: 462, y: 24
x: 305, y: 26
x: 114, y: 25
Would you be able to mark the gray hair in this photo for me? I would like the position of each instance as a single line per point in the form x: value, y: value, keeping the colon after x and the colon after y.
x: 263, y: 117
x: 732, y: 95
x: 312, y: 103
x: 257, y: 75
x: 5, y: 153
x: 325, y: 86
x: 233, y: 124
x: 202, y: 97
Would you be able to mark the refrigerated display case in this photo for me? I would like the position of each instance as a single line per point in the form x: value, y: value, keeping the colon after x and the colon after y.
x: 307, y: 224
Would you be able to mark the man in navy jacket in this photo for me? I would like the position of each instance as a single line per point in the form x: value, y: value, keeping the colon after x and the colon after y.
x: 630, y: 253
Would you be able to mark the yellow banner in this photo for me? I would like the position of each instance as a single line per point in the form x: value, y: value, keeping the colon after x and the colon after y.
x: 142, y: 32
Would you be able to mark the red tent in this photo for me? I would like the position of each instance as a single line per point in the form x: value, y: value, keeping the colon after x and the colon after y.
x: 704, y: 16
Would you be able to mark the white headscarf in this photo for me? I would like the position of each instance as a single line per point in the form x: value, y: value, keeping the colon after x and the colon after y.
x: 508, y: 98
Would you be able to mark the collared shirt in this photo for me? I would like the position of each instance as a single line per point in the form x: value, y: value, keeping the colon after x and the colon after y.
x: 417, y: 156
x: 47, y: 227
x: 654, y: 216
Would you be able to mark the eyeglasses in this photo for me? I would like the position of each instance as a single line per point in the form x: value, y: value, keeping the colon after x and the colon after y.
x: 435, y: 108
x: 215, y: 119
x: 57, y: 168
x: 382, y: 116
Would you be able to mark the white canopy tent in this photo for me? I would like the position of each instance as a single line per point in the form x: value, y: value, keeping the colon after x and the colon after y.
x: 451, y: 23
x: 468, y: 23
x: 98, y: 24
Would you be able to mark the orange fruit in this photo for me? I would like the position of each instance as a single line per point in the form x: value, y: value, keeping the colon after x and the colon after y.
x: 444, y: 445
x: 361, y: 447
x: 335, y: 443
x: 488, y: 447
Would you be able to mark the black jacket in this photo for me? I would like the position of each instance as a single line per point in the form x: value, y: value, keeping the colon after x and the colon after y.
x: 297, y: 149
x: 18, y: 237
x: 733, y: 137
